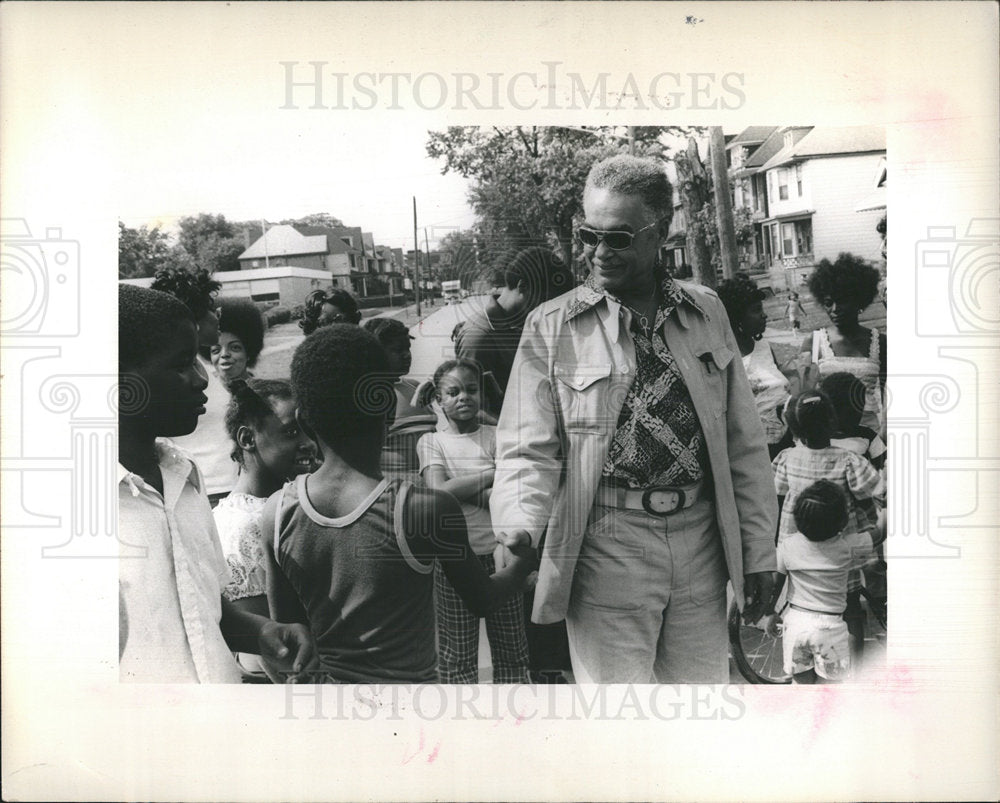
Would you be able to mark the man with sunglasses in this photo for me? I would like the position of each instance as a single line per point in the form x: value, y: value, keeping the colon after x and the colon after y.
x: 630, y: 440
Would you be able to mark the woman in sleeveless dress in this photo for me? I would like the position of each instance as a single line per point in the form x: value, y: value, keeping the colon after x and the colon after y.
x: 844, y: 288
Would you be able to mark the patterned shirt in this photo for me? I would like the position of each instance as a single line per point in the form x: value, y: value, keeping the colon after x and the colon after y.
x: 658, y: 439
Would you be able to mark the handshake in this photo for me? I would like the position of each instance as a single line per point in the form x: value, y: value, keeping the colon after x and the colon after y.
x: 514, y: 550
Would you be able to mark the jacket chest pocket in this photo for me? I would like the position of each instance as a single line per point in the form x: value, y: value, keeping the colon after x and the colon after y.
x: 584, y: 393
x: 714, y: 365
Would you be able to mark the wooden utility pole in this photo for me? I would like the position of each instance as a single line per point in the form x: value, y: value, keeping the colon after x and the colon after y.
x: 416, y: 259
x: 427, y: 248
x: 723, y: 203
x: 693, y: 181
x: 263, y: 228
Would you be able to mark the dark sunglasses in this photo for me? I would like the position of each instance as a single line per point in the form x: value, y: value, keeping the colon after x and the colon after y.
x: 615, y: 240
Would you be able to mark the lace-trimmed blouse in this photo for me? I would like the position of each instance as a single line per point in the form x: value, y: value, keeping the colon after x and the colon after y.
x: 238, y: 519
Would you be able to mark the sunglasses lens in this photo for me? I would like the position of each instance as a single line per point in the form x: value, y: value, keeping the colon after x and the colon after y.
x: 615, y: 240
x: 618, y: 240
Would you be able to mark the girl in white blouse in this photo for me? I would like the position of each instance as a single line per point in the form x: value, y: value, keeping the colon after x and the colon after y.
x: 269, y: 449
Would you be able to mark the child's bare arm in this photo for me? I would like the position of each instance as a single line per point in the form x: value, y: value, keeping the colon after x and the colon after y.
x: 436, y: 529
x: 467, y: 488
x: 282, y: 601
x: 288, y: 648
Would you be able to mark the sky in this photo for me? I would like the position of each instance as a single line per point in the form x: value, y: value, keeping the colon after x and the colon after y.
x: 365, y: 173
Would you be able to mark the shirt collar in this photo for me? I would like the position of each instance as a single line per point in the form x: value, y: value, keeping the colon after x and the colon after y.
x: 590, y: 294
x: 171, y: 459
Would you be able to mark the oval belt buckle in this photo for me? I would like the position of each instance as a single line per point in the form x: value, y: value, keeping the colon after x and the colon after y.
x: 664, y: 508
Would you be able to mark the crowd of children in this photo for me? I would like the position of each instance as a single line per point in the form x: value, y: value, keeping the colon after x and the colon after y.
x: 313, y: 562
x: 319, y: 564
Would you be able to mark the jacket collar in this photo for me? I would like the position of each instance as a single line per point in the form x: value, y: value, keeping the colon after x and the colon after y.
x: 590, y: 295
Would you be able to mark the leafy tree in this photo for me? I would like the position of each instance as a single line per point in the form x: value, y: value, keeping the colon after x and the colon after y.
x: 697, y: 194
x: 705, y: 224
x: 141, y: 251
x: 211, y: 241
x: 466, y: 255
x: 315, y: 219
x: 528, y: 181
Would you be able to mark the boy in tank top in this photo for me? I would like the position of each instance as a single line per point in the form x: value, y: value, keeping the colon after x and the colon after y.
x: 351, y: 554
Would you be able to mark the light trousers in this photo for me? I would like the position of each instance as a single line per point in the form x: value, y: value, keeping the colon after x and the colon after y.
x: 648, y: 603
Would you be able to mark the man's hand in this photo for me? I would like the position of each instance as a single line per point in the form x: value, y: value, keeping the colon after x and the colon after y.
x: 515, y: 550
x: 286, y: 651
x: 757, y: 589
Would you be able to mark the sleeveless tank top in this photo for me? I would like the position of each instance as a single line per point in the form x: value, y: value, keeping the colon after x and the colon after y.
x: 864, y: 368
x: 369, y: 600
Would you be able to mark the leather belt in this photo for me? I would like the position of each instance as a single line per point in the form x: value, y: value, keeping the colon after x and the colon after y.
x: 657, y: 500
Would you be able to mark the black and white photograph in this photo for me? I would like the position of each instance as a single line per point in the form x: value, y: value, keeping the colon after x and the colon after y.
x: 503, y: 406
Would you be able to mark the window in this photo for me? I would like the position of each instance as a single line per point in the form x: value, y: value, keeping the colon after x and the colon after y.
x: 783, y: 184
x: 788, y: 239
x: 791, y: 239
x: 798, y: 178
x: 803, y: 237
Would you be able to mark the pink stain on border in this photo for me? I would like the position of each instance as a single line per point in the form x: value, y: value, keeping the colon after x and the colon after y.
x: 434, y: 753
x: 420, y: 747
x: 823, y: 710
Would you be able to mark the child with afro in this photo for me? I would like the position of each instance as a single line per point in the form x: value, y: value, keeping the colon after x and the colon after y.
x: 816, y: 560
x: 350, y: 553
x: 180, y: 627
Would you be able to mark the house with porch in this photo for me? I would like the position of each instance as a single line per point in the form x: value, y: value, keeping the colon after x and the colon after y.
x: 802, y: 185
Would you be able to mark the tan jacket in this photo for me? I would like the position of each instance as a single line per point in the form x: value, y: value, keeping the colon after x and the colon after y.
x: 566, y: 391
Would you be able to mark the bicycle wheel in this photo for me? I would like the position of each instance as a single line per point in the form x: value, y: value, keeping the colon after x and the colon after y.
x: 758, y: 656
